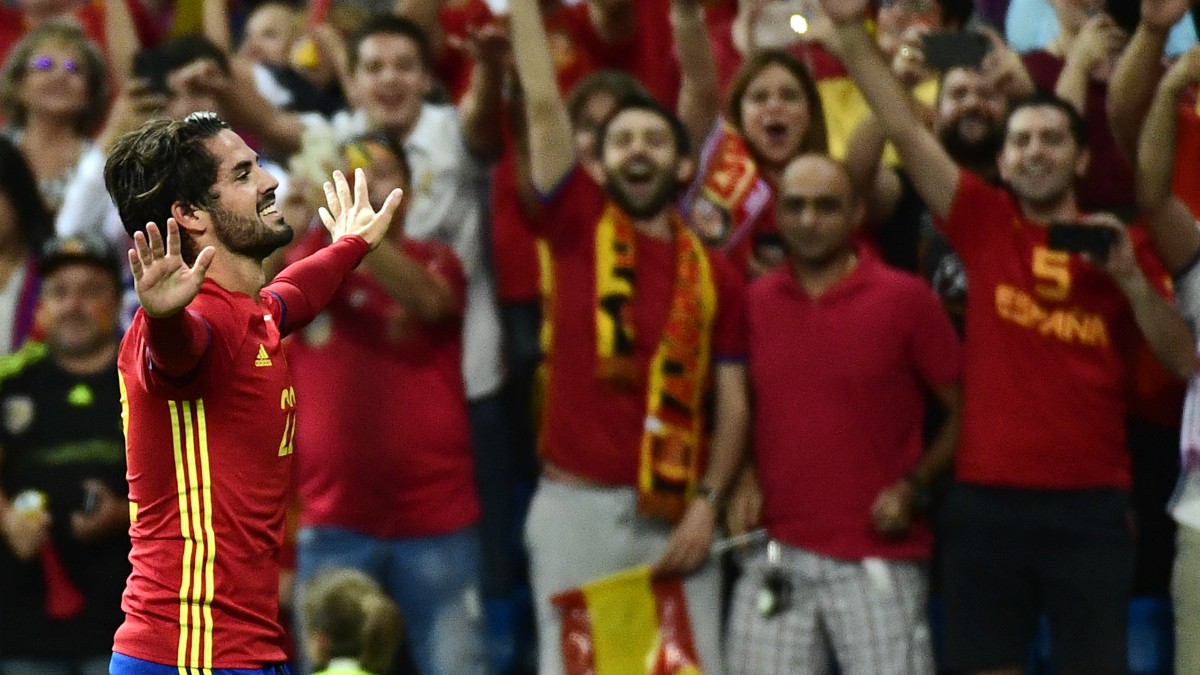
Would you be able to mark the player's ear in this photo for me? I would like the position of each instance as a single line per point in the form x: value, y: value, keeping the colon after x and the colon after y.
x: 191, y: 219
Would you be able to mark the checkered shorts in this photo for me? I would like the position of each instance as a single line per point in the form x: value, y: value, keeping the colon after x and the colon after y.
x: 869, y: 615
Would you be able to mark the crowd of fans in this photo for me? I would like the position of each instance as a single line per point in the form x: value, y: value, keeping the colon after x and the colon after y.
x: 665, y: 271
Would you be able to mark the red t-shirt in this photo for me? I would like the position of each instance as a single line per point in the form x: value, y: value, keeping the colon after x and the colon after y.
x: 839, y: 391
x: 384, y: 440
x: 1049, y: 338
x: 589, y: 428
x: 209, y: 457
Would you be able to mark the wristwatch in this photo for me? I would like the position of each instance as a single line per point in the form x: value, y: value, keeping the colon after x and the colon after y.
x: 710, y: 495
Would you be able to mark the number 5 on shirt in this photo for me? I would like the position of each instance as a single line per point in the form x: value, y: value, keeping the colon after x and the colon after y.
x: 1052, y: 269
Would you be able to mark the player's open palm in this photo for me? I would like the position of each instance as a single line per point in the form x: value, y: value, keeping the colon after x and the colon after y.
x: 844, y: 11
x: 351, y: 214
x: 165, y: 284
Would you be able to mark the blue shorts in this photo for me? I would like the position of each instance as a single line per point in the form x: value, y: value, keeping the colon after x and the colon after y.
x: 127, y: 665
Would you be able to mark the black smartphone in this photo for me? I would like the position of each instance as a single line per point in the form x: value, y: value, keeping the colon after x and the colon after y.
x: 149, y: 67
x: 1076, y: 238
x: 954, y: 49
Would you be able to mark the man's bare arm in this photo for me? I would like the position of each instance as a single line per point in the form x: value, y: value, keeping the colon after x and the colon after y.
x: 483, y: 103
x: 122, y: 40
x: 1172, y: 225
x: 551, y: 147
x: 933, y: 173
x: 1159, y: 322
x: 1131, y: 87
x: 427, y: 296
x: 692, y: 538
x: 700, y: 91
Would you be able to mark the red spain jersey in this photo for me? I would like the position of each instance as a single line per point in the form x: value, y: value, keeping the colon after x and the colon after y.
x: 210, y: 458
x: 1050, y: 343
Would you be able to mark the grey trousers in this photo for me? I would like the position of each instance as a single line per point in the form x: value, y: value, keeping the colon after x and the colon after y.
x: 1185, y: 596
x: 576, y: 534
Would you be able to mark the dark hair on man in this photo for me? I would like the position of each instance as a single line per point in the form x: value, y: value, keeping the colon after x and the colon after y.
x: 355, y: 617
x: 184, y: 50
x: 618, y: 84
x: 34, y: 223
x: 70, y: 35
x: 389, y: 24
x: 163, y: 162
x: 816, y: 139
x: 649, y: 104
x: 1043, y: 99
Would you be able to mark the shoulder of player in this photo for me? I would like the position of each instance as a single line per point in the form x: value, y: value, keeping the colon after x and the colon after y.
x: 15, y: 364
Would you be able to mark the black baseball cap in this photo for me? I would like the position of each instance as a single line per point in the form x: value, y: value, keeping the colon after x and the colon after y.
x: 86, y: 249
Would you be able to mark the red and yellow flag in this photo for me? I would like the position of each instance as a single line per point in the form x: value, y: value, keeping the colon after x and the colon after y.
x: 627, y: 624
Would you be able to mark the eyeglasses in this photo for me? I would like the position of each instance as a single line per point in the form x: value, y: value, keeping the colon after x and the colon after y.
x: 45, y: 63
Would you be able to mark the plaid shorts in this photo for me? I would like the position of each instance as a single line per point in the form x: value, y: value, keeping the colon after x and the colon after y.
x: 868, y: 614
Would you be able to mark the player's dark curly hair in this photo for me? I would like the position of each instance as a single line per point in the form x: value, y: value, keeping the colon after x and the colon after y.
x: 163, y: 162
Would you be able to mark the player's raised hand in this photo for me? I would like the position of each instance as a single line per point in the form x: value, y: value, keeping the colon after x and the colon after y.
x: 163, y: 281
x: 351, y: 214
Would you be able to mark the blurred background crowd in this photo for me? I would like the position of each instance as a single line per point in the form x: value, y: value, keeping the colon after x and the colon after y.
x: 419, y: 391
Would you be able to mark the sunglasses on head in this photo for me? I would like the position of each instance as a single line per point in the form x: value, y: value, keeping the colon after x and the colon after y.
x: 44, y: 63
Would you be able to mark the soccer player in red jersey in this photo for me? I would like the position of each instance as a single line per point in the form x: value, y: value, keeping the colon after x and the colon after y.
x: 207, y: 397
x: 1038, y: 519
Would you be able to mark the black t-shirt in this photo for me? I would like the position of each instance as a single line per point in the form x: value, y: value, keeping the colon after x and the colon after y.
x: 58, y: 429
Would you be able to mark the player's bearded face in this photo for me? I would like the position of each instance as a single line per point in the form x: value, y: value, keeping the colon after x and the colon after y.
x: 256, y: 236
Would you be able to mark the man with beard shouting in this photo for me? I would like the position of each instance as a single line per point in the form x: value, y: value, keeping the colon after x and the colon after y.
x: 207, y: 397
x: 641, y: 318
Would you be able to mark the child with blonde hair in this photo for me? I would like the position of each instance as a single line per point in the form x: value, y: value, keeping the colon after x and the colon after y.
x: 352, y: 626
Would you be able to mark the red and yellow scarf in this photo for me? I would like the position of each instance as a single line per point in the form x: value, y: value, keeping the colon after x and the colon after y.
x: 672, y: 451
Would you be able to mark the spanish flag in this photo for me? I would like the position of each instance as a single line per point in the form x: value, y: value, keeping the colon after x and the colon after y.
x: 627, y: 624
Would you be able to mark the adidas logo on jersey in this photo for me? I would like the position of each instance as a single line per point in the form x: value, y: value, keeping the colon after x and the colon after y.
x: 263, y: 359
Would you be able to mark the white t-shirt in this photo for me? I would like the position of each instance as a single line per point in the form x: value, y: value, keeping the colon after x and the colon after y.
x: 1185, y: 503
x: 447, y: 203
